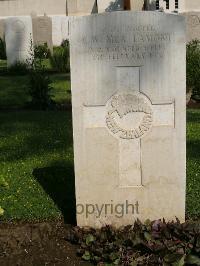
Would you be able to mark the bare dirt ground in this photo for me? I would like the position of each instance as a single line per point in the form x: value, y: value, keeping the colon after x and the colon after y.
x: 36, y: 244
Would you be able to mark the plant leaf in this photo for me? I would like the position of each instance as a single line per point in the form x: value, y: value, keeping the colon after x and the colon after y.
x: 147, y: 236
x: 89, y: 239
x: 3, y: 182
x: 1, y: 211
x: 180, y: 262
x: 86, y: 256
x: 173, y: 258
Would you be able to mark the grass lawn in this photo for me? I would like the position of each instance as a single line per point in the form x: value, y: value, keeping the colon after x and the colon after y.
x: 36, y: 159
x: 193, y: 163
x: 14, y: 90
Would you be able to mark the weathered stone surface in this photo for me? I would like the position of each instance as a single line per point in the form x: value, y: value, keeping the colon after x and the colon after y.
x: 57, y: 30
x: 65, y: 28
x: 109, y: 6
x: 60, y: 29
x: 18, y: 36
x: 192, y: 25
x: 128, y: 95
x: 42, y: 31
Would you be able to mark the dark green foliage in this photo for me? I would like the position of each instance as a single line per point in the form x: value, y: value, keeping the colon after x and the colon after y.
x: 151, y: 243
x: 65, y: 43
x: 40, y: 89
x: 193, y: 68
x: 18, y: 68
x: 2, y: 49
x: 42, y: 51
x: 39, y: 84
x: 60, y: 58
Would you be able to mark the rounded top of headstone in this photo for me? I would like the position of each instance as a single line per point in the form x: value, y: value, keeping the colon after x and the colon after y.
x: 18, y: 26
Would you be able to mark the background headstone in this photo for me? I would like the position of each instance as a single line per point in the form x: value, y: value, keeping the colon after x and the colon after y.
x: 57, y: 36
x: 192, y: 25
x: 42, y: 31
x: 18, y: 37
x: 2, y: 28
x: 128, y: 96
x: 109, y: 6
x: 65, y: 28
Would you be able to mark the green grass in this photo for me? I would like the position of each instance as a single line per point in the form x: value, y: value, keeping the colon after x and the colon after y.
x: 193, y: 163
x: 14, y: 90
x: 3, y: 64
x: 36, y: 159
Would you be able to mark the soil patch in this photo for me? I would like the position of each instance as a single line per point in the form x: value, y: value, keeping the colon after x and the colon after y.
x: 36, y: 244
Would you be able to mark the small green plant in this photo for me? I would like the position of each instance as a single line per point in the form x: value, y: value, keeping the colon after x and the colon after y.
x: 39, y: 83
x: 1, y: 211
x: 193, y: 68
x: 3, y: 185
x: 42, y: 51
x: 60, y: 58
x: 3, y: 49
x: 65, y: 43
x: 3, y: 182
x: 40, y: 87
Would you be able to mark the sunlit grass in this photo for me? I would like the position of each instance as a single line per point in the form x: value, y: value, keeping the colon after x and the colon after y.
x: 193, y: 163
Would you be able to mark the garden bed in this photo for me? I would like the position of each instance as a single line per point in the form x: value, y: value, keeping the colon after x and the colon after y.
x: 36, y: 244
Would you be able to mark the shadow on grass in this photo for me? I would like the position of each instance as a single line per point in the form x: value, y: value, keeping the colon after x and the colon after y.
x: 193, y: 116
x: 58, y: 181
x: 193, y: 148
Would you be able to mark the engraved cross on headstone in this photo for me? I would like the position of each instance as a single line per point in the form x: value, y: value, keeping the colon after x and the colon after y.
x: 129, y: 116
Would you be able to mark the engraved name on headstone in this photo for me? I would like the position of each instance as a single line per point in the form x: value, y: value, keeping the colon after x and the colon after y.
x: 128, y: 95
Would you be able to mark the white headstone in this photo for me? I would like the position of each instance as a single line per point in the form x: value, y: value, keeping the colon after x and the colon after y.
x: 42, y: 31
x: 57, y: 37
x: 109, y: 6
x: 60, y: 29
x: 65, y: 28
x: 128, y: 96
x: 18, y: 37
x: 2, y: 27
x: 193, y: 25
